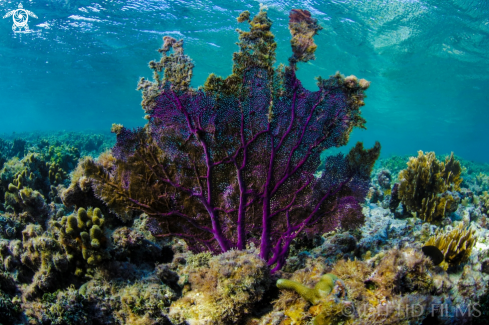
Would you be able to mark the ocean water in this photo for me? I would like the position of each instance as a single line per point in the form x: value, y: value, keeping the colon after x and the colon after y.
x: 427, y: 60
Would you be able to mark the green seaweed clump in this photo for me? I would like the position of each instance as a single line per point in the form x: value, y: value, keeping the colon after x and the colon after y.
x: 455, y: 245
x: 64, y: 156
x: 62, y: 308
x: 425, y: 183
x: 44, y: 256
x: 144, y: 303
x: 9, y: 309
x: 484, y: 202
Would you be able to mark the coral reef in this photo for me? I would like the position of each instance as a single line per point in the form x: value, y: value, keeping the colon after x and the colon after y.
x: 372, y: 274
x: 44, y: 256
x: 237, y: 195
x: 375, y: 289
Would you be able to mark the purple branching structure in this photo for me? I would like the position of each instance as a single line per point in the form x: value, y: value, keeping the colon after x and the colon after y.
x: 234, y: 162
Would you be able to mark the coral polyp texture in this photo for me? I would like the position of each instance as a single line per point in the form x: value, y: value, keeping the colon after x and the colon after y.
x: 233, y: 162
x: 426, y: 185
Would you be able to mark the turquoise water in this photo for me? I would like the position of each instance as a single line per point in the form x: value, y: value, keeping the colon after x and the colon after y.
x: 428, y: 62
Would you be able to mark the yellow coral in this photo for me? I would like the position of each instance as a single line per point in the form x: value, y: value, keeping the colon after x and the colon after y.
x: 328, y: 298
x: 321, y: 290
x: 423, y: 182
x: 455, y: 245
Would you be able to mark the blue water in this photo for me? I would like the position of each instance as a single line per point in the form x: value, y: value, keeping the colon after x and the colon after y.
x: 428, y: 63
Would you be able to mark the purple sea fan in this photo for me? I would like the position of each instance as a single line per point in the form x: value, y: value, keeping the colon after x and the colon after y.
x: 233, y: 162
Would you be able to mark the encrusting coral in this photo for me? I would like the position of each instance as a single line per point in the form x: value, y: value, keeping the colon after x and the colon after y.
x: 425, y: 185
x: 223, y: 290
x: 455, y: 245
x: 37, y: 260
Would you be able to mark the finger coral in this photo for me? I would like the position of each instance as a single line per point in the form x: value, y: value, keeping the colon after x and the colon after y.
x: 233, y: 162
x: 321, y: 290
x: 423, y: 183
x: 455, y: 245
x: 83, y: 236
x: 325, y: 296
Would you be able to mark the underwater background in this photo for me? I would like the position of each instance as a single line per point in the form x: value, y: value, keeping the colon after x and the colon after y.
x: 427, y: 61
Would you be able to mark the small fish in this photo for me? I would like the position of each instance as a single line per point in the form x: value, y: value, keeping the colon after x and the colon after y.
x: 434, y: 254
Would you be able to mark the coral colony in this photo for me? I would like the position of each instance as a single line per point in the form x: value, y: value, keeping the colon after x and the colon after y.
x: 233, y: 162
x: 220, y: 209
